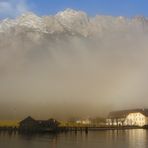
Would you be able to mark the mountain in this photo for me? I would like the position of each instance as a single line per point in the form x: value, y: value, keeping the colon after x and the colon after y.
x: 72, y: 22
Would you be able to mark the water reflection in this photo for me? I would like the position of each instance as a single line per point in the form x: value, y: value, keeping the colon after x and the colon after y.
x: 138, y: 138
x: 104, y: 139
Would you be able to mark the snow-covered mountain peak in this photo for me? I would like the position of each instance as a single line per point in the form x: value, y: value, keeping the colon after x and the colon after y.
x: 139, y: 18
x: 7, y: 24
x: 27, y: 15
x: 30, y: 20
x: 69, y: 13
x: 73, y: 20
x: 70, y: 16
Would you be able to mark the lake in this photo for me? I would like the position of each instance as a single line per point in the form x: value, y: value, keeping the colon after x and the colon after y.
x: 135, y: 138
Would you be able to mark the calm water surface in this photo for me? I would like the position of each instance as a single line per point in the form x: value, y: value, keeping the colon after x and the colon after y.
x: 94, y: 139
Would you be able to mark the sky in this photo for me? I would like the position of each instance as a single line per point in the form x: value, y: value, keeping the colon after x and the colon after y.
x: 128, y: 8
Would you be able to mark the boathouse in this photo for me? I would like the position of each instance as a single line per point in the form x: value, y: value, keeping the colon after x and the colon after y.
x: 30, y: 124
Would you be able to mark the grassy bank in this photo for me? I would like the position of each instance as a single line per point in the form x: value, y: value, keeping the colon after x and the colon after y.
x: 7, y: 123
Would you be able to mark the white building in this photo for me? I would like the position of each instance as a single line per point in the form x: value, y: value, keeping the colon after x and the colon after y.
x: 86, y: 121
x: 135, y: 117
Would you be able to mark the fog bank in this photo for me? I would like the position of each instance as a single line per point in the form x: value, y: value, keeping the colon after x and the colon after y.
x: 72, y: 65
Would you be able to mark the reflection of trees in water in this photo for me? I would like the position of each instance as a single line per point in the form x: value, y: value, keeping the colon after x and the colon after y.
x: 8, y: 133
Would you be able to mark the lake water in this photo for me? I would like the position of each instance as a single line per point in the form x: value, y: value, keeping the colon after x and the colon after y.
x: 137, y: 138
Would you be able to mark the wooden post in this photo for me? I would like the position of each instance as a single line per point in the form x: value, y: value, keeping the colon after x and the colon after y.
x: 86, y: 130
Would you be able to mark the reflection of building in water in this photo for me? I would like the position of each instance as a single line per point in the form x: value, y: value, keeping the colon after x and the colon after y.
x: 135, y: 117
x: 38, y: 125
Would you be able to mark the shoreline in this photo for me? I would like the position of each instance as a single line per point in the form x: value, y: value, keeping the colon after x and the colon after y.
x: 70, y: 129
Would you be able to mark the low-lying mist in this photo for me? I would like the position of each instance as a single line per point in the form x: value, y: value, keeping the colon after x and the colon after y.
x: 72, y: 65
